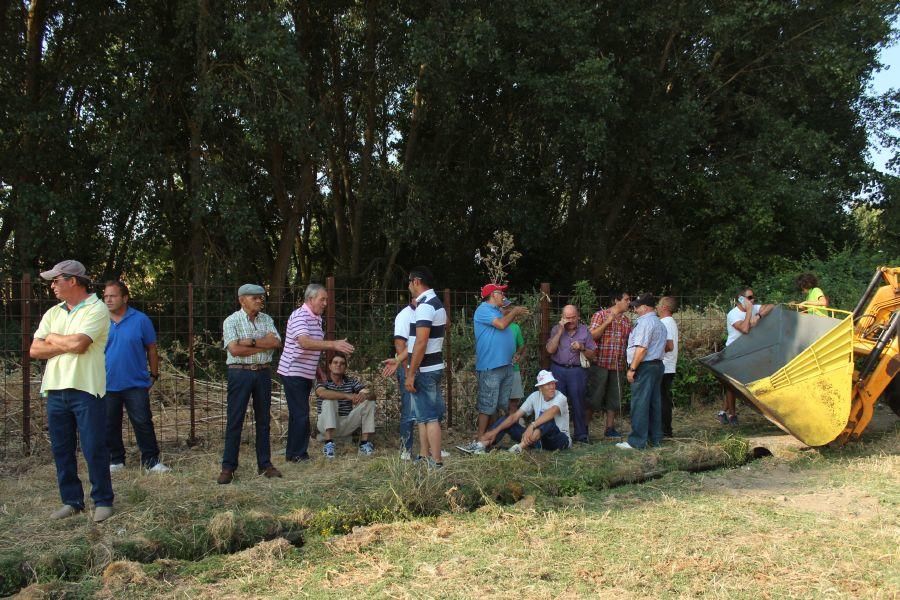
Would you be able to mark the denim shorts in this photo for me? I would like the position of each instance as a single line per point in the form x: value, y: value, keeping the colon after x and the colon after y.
x: 427, y: 401
x: 494, y: 387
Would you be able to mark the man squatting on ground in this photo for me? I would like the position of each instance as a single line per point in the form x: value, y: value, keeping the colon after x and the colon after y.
x: 130, y: 347
x: 548, y: 431
x: 344, y: 405
x: 646, y: 346
x: 304, y: 341
x: 666, y: 308
x: 495, y: 345
x: 250, y: 340
x: 567, y: 340
x: 739, y: 321
x: 71, y: 338
x: 610, y: 328
x: 426, y: 364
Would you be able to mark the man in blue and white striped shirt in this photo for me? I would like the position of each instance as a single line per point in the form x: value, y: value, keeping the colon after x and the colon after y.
x: 426, y: 364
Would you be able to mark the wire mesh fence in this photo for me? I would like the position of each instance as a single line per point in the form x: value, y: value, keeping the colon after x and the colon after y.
x: 189, y: 399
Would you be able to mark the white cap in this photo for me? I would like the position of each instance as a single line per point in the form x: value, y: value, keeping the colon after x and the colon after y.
x: 543, y: 378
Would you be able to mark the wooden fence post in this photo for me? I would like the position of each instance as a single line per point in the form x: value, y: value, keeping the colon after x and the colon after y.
x: 448, y: 369
x: 329, y: 319
x: 545, y: 325
x: 26, y: 363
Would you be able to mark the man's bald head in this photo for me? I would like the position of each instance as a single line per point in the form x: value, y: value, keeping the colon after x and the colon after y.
x: 570, y: 314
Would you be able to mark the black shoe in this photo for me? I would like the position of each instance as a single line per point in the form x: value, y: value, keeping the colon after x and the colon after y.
x: 297, y: 459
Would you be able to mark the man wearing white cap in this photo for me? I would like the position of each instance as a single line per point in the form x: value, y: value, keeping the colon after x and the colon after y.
x: 71, y: 338
x: 548, y: 431
x: 250, y: 340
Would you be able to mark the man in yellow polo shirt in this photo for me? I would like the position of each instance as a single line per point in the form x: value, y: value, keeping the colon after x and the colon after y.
x: 72, y: 339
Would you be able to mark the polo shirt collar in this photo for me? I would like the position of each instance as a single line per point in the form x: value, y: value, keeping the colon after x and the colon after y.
x: 84, y: 302
x: 425, y: 295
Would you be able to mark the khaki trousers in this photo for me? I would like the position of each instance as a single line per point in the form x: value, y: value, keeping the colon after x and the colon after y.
x: 362, y: 416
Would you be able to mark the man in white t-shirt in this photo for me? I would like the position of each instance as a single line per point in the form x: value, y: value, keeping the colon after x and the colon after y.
x: 548, y: 431
x: 666, y: 308
x: 739, y: 321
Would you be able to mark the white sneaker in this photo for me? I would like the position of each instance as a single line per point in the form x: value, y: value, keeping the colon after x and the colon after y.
x: 405, y: 455
x: 159, y: 468
x: 473, y: 447
x: 624, y: 446
x: 444, y: 454
x: 516, y: 449
x: 116, y: 467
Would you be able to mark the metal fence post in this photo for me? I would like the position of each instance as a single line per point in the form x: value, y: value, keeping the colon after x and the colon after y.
x: 545, y: 325
x: 329, y: 318
x: 448, y: 357
x: 26, y: 363
x: 192, y: 438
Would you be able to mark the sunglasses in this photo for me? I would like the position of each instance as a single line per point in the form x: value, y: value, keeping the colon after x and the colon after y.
x: 750, y: 297
x: 60, y: 278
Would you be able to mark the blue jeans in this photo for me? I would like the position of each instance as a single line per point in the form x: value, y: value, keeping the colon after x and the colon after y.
x: 296, y: 392
x: 74, y: 415
x: 137, y: 403
x: 572, y: 383
x: 406, y: 412
x: 551, y: 437
x: 494, y: 388
x: 242, y: 384
x: 646, y: 405
x: 427, y: 402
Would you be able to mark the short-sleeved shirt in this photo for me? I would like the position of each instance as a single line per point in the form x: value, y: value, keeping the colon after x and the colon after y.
x: 430, y: 313
x: 648, y: 333
x: 296, y: 361
x: 536, y: 405
x: 736, y: 315
x: 126, y: 351
x: 670, y: 359
x: 238, y: 326
x: 613, y: 341
x: 564, y: 354
x: 348, y: 386
x: 812, y: 296
x: 493, y: 347
x: 405, y: 324
x: 87, y: 371
x: 520, y: 340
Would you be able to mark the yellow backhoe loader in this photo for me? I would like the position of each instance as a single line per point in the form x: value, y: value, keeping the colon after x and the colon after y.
x: 818, y: 377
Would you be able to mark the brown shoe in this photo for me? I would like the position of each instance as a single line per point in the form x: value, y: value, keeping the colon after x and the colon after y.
x: 225, y: 476
x: 269, y: 472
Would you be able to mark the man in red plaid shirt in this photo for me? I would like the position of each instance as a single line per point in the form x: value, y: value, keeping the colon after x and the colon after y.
x: 610, y: 328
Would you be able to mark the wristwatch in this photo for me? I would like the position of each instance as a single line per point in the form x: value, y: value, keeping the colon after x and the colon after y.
x: 632, y: 370
x: 253, y: 342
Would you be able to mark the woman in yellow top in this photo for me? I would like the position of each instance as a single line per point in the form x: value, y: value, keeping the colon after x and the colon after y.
x: 815, y: 297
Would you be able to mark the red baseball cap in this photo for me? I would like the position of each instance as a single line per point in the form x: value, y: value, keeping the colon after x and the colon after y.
x: 491, y: 288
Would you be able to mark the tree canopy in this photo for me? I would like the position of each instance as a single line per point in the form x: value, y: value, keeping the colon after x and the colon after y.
x: 663, y: 145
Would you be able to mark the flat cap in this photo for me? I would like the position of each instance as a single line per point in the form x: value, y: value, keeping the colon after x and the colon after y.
x: 251, y: 289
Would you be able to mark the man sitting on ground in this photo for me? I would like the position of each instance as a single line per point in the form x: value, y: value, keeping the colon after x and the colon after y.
x: 548, y: 431
x: 344, y: 405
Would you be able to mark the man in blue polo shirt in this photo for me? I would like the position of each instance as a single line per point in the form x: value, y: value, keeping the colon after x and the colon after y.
x: 495, y: 344
x: 130, y: 346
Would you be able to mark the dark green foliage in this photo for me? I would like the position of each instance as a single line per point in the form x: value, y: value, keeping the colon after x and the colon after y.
x: 670, y: 146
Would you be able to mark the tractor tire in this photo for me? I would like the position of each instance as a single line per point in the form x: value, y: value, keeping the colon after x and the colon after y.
x: 891, y: 395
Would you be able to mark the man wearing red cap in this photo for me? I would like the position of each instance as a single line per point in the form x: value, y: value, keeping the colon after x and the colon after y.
x: 495, y: 345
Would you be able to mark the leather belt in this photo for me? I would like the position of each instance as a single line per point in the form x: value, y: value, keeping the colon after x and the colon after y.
x: 565, y: 366
x: 255, y: 367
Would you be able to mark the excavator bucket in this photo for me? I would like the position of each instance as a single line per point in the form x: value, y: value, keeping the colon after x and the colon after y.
x: 797, y: 369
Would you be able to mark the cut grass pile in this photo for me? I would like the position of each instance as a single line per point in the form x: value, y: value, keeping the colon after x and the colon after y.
x: 542, y: 523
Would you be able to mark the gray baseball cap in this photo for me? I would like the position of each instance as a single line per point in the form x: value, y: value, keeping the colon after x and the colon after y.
x: 71, y: 268
x: 251, y: 289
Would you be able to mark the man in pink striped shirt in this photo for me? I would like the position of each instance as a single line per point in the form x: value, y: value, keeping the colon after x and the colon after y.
x: 304, y: 341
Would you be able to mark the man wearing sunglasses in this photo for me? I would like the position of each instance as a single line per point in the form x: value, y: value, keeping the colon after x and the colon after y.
x: 739, y: 321
x: 71, y: 338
